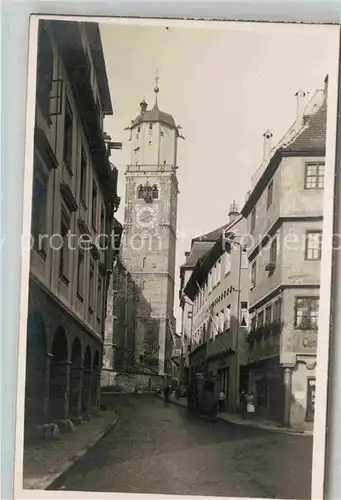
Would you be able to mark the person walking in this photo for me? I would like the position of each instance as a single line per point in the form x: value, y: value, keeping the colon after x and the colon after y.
x: 221, y: 401
x: 166, y: 392
x: 243, y: 404
x: 250, y: 405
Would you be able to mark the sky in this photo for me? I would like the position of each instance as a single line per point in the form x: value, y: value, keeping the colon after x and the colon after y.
x: 225, y: 84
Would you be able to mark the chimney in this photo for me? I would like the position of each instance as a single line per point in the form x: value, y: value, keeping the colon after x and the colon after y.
x: 267, y: 144
x: 300, y: 101
x: 233, y: 213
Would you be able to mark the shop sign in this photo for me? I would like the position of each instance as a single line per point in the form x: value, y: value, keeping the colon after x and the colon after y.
x: 310, y: 342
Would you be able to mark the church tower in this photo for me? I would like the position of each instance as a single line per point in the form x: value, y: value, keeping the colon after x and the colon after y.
x: 149, y: 243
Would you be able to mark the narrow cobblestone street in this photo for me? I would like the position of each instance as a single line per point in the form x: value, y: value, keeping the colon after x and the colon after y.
x: 158, y: 448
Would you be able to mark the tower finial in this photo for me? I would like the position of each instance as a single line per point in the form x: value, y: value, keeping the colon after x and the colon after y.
x: 156, y: 88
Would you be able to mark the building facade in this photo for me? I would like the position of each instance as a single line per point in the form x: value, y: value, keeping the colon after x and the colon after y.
x: 284, y: 220
x: 149, y: 242
x: 73, y: 205
x: 199, y: 247
x: 218, y: 288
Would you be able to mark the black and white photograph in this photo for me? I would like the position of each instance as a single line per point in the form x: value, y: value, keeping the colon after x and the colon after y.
x: 179, y: 185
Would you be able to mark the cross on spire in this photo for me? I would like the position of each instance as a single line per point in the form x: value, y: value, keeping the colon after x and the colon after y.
x: 157, y: 78
x: 156, y: 88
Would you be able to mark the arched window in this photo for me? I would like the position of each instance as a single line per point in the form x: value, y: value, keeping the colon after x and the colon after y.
x: 155, y: 192
x: 140, y: 191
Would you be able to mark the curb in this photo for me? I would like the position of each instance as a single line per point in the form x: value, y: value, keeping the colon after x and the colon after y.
x: 47, y: 482
x: 253, y: 425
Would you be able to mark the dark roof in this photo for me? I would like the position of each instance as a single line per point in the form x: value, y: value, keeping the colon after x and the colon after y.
x: 212, y: 236
x: 310, y: 141
x: 198, y: 250
x: 154, y: 115
x: 204, y: 264
x: 100, y: 68
x: 313, y: 135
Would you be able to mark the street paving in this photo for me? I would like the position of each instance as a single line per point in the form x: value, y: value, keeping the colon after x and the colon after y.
x: 157, y: 447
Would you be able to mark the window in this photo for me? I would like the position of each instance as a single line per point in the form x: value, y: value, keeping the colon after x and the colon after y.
x: 260, y: 319
x: 219, y: 271
x: 273, y: 251
x: 227, y: 263
x: 268, y: 315
x: 227, y: 317
x: 39, y: 207
x: 162, y: 133
x: 313, y: 245
x: 314, y: 176
x: 94, y: 206
x: 140, y: 192
x: 216, y: 324
x: 306, y: 313
x: 253, y: 219
x: 269, y: 194
x: 64, y: 251
x: 253, y: 275
x: 103, y: 232
x: 84, y: 171
x: 150, y: 131
x: 221, y: 321
x: 155, y: 192
x: 99, y: 298
x: 244, y: 321
x: 245, y: 262
x: 68, y: 135
x: 91, y: 286
x: 80, y: 275
x: 277, y: 312
x: 44, y: 71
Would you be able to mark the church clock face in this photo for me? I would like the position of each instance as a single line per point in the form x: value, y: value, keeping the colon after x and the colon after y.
x: 146, y: 217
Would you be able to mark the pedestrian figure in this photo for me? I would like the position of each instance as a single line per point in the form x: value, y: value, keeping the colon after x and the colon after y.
x: 243, y: 404
x: 221, y: 401
x: 250, y: 405
x: 166, y: 392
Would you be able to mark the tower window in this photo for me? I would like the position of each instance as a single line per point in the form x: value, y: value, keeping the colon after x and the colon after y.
x: 155, y: 192
x: 164, y: 162
x: 150, y: 126
x: 161, y: 133
x: 140, y: 191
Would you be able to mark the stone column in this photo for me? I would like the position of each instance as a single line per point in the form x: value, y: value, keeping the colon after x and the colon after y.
x: 287, y: 395
x: 75, y: 407
x: 86, y: 393
x: 59, y: 387
x: 95, y: 392
x: 46, y: 388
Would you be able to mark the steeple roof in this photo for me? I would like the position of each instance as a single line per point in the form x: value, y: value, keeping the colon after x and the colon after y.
x: 154, y: 115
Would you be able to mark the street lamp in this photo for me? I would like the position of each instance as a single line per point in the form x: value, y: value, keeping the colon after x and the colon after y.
x: 237, y: 373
